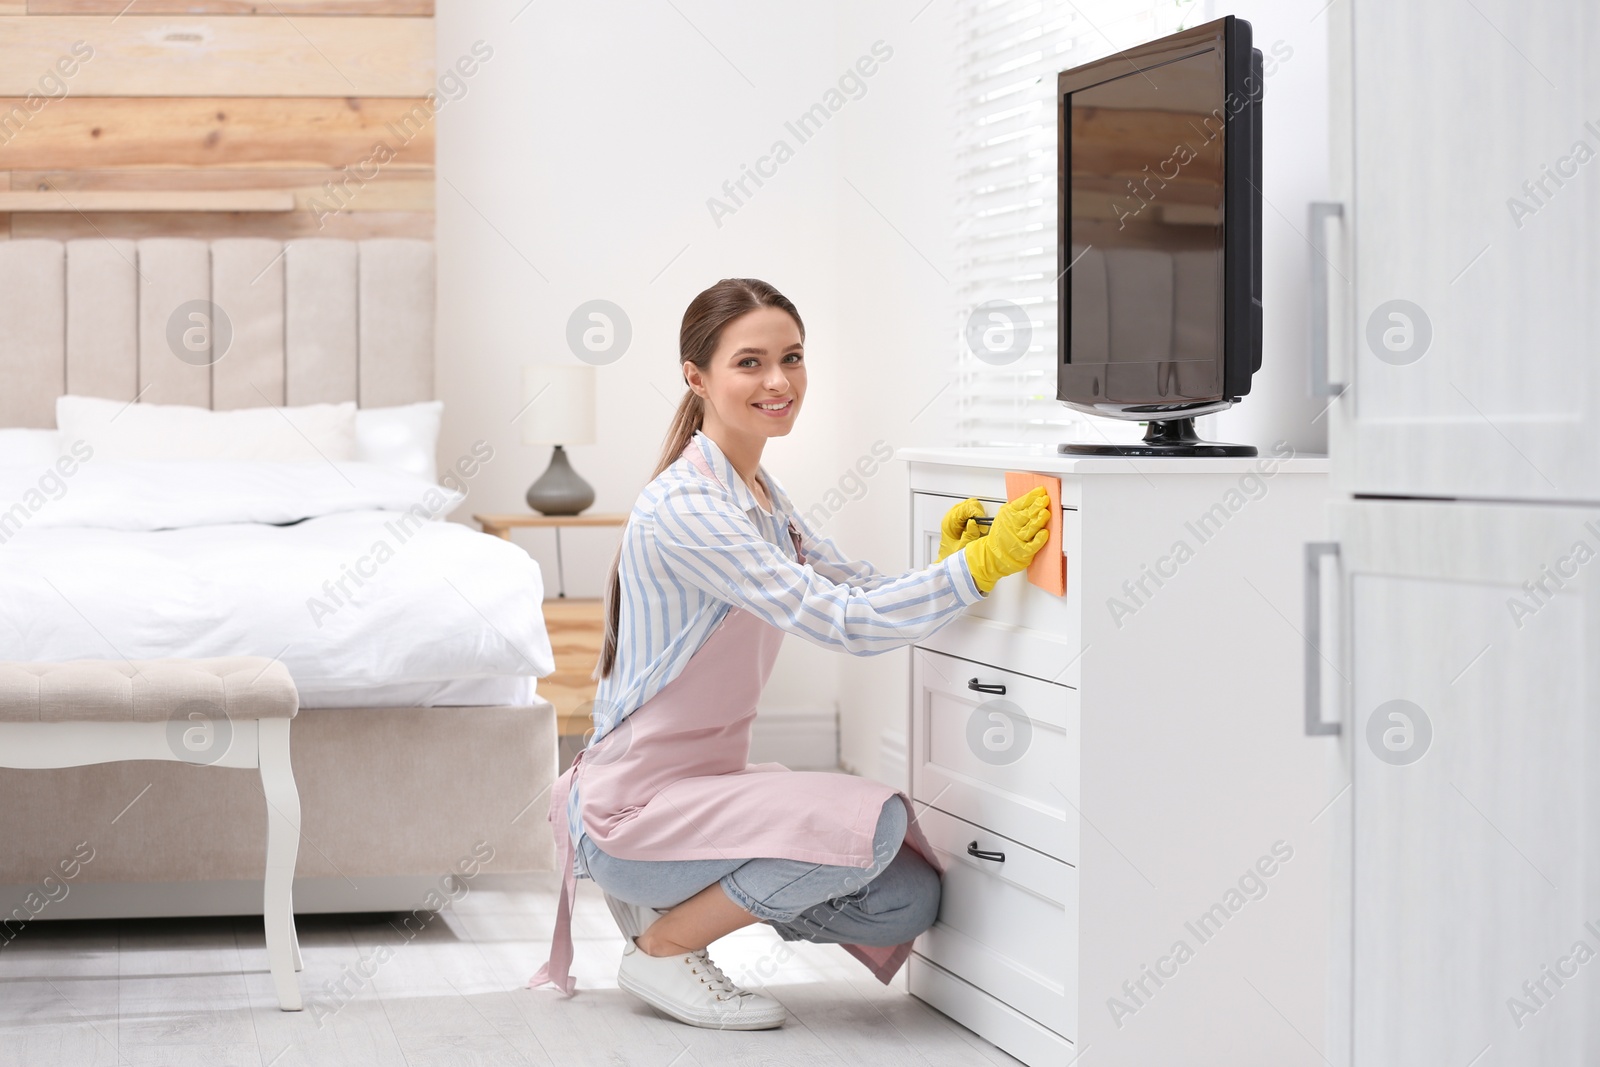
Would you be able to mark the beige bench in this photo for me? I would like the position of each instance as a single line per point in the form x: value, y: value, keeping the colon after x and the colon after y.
x: 227, y: 712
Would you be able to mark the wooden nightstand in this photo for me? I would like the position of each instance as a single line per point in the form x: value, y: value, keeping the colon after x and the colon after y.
x: 577, y: 630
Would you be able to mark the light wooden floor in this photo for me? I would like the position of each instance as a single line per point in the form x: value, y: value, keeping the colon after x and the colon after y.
x: 187, y: 992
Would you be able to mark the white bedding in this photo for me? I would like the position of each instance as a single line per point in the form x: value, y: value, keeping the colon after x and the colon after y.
x: 173, y: 494
x: 520, y: 692
x: 364, y: 605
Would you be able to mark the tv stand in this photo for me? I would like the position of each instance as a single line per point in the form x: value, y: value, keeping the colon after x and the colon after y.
x: 1166, y: 437
x: 1144, y: 751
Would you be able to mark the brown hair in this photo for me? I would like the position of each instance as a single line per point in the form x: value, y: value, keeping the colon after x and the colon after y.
x: 703, y: 322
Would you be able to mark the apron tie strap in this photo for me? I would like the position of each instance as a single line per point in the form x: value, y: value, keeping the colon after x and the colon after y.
x: 556, y: 968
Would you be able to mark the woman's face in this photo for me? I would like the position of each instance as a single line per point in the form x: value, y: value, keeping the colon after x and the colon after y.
x: 759, y: 361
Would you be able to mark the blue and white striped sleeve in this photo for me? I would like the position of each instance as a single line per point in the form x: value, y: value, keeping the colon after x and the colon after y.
x: 708, y: 543
x: 827, y: 560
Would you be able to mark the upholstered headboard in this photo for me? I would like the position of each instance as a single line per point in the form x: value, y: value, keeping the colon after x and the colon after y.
x: 311, y: 321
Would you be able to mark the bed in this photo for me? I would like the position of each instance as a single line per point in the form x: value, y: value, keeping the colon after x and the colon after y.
x: 421, y: 749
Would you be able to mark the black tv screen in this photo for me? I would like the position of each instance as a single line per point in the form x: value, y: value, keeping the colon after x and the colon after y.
x: 1159, y: 226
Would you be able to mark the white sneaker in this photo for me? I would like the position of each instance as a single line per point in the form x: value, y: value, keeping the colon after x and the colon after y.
x: 693, y: 990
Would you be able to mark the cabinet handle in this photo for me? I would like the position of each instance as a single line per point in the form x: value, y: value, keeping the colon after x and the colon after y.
x: 986, y: 687
x: 1320, y: 212
x: 974, y: 850
x: 1315, y: 550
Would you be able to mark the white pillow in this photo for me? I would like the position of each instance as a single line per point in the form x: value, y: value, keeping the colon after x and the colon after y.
x: 119, y: 430
x: 173, y: 494
x: 405, y: 437
x: 29, y: 448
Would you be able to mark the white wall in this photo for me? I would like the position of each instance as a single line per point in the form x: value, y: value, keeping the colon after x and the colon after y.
x: 898, y: 319
x: 1294, y: 172
x: 578, y: 165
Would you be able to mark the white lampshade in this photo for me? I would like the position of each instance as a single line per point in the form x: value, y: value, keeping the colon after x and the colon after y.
x: 559, y: 398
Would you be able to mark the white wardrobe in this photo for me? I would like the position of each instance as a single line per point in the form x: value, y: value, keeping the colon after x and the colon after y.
x: 1457, y: 637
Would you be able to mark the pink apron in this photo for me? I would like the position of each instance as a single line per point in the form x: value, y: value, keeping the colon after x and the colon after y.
x: 671, y: 782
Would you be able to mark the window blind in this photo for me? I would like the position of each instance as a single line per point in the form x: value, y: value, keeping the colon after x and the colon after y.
x: 1009, y: 52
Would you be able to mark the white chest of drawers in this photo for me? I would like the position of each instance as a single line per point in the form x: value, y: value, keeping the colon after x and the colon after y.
x: 1113, y: 773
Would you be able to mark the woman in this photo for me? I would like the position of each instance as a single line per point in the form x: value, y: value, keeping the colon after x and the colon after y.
x: 661, y: 810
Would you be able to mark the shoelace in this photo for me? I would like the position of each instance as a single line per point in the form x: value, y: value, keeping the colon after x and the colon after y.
x: 702, y: 965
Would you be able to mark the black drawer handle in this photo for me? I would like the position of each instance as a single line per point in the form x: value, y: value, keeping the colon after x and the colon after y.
x: 982, y: 687
x: 974, y: 850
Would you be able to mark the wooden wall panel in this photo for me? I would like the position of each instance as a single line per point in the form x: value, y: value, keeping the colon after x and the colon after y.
x: 98, y: 133
x: 213, y: 224
x: 292, y: 178
x: 241, y: 55
x: 150, y: 200
x: 216, y: 118
x: 394, y: 189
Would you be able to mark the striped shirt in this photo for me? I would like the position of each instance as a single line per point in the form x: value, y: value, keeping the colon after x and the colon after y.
x: 692, y: 549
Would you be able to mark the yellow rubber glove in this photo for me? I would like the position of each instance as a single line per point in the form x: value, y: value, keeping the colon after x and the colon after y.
x: 1020, y: 530
x: 957, y: 530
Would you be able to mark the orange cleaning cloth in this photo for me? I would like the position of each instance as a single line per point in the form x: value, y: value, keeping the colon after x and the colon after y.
x: 1048, y: 570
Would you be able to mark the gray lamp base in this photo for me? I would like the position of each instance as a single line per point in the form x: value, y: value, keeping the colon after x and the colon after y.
x: 559, y: 490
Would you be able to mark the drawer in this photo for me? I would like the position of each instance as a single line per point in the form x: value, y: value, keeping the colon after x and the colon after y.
x: 1015, y: 603
x: 1008, y: 927
x: 997, y: 748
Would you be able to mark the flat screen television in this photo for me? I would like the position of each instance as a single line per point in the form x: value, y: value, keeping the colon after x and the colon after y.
x: 1159, y: 236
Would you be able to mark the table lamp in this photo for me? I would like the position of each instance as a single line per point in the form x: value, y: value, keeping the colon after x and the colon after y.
x: 559, y: 410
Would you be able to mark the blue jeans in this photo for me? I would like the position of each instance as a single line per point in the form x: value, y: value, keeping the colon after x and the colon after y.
x: 887, y: 903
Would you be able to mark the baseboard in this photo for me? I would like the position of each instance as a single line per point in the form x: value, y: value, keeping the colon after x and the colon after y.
x: 800, y: 738
x: 892, y: 766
